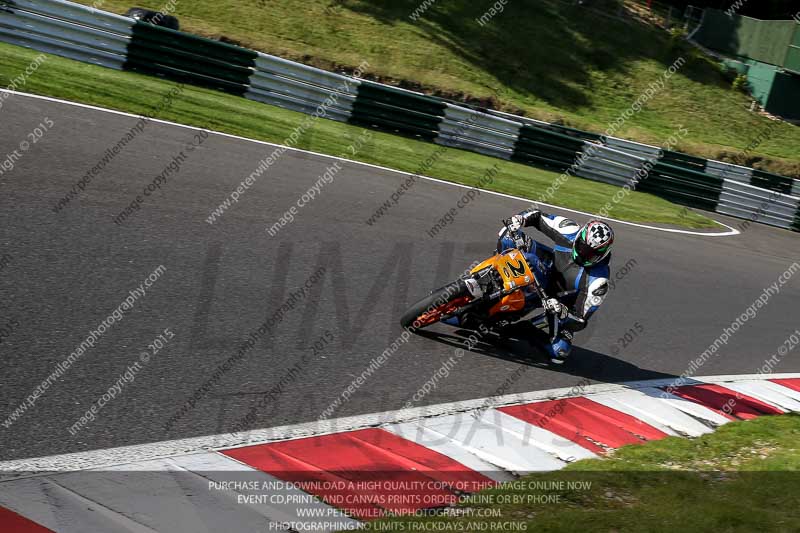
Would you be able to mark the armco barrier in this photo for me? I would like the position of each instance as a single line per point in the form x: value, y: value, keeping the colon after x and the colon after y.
x: 93, y: 36
x: 67, y: 29
x: 546, y: 148
x: 297, y: 87
x: 683, y: 186
x: 478, y: 132
x: 773, y: 182
x: 558, y: 128
x: 615, y: 167
x: 75, y: 13
x: 755, y: 177
x: 758, y: 205
x: 397, y: 111
x: 729, y: 171
x: 686, y: 161
x: 645, y: 151
x: 190, y: 59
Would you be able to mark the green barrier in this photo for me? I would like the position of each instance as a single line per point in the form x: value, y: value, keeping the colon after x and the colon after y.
x: 541, y: 161
x: 679, y: 197
x: 549, y: 138
x: 194, y: 44
x: 773, y: 182
x: 572, y: 132
x: 688, y: 175
x: 397, y: 111
x: 411, y: 118
x: 527, y: 147
x: 390, y: 125
x: 190, y: 59
x: 150, y: 69
x: 683, y: 186
x: 676, y: 193
x: 705, y: 189
x: 401, y: 99
x: 683, y: 160
x: 530, y: 133
x: 150, y: 52
x: 547, y: 148
x: 525, y: 141
x: 394, y: 119
x: 691, y: 176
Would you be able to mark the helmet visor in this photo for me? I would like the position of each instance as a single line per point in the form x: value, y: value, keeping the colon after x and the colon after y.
x: 585, y: 255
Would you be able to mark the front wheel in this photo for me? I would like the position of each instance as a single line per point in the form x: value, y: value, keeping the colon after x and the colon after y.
x: 433, y: 307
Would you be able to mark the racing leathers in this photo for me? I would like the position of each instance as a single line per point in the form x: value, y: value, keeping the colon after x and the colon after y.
x: 575, y: 291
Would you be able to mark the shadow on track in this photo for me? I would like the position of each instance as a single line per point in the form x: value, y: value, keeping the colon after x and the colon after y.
x: 516, y: 345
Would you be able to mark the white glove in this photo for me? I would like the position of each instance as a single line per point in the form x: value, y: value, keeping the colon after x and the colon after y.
x: 516, y: 222
x: 557, y: 308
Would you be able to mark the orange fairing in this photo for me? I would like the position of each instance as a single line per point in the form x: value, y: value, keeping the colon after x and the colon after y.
x: 512, y: 267
x: 488, y: 263
x: 514, y: 270
x: 515, y: 273
x: 509, y: 304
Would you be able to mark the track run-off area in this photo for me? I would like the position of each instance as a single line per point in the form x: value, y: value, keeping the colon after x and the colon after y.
x: 215, y: 327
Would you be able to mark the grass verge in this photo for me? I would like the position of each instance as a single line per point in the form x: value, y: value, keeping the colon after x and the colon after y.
x: 549, y: 59
x: 126, y: 91
x: 745, y: 477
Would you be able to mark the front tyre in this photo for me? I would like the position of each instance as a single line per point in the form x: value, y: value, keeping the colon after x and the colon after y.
x: 436, y: 305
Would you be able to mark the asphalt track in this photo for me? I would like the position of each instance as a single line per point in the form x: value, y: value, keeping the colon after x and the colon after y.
x: 70, y: 269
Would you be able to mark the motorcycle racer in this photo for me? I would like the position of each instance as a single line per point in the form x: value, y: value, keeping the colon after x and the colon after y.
x: 575, y: 270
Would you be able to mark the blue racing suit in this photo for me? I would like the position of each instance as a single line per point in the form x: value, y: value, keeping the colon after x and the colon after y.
x: 581, y: 289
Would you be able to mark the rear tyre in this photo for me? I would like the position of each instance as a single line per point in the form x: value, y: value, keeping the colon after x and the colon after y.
x: 430, y: 309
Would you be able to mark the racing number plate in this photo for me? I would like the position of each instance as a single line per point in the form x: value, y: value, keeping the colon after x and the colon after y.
x: 514, y: 270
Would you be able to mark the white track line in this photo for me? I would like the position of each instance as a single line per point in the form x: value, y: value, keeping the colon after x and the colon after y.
x: 731, y: 231
x: 144, y: 452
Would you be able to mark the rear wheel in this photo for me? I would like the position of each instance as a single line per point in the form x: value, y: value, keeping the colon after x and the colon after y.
x: 433, y: 307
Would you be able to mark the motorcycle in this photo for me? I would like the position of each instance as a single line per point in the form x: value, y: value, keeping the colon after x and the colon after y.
x: 490, y: 294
